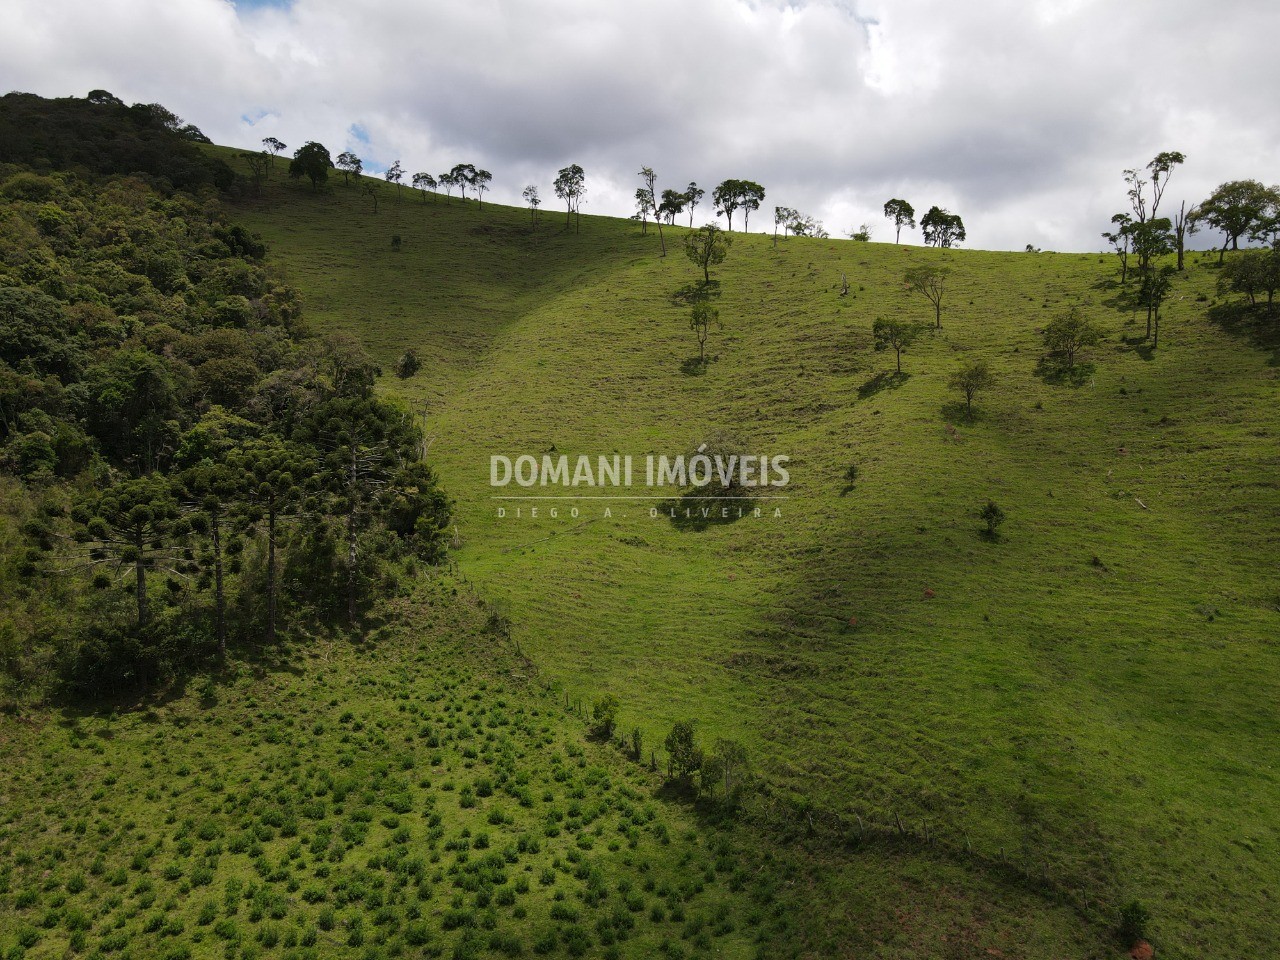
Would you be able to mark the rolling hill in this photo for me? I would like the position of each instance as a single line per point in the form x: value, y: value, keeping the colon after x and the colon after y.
x: 1084, y: 704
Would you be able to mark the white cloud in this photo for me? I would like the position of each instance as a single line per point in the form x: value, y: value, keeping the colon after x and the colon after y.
x: 1020, y: 116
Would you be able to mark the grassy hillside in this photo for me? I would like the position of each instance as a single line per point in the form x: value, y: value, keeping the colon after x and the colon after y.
x: 421, y: 794
x: 1087, y: 699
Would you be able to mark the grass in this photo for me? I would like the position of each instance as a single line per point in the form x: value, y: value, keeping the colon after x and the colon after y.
x: 418, y: 794
x: 1085, y: 701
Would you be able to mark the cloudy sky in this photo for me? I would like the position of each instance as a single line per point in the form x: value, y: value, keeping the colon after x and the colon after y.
x: 1018, y: 114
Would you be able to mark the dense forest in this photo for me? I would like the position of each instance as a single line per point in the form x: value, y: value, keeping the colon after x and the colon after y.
x: 183, y: 466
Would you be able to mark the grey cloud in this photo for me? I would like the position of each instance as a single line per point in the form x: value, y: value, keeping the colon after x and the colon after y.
x: 1019, y: 115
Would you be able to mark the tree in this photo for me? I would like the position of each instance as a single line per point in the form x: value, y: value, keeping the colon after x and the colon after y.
x: 782, y: 217
x: 862, y: 234
x: 365, y: 441
x: 992, y: 516
x: 311, y: 160
x: 448, y: 181
x: 803, y: 225
x: 707, y: 247
x: 130, y: 525
x: 408, y: 364
x: 1156, y: 285
x: 651, y: 191
x: 394, y: 174
x: 894, y: 335
x: 1184, y: 225
x: 416, y: 509
x: 370, y: 191
x: 672, y: 205
x: 258, y: 164
x: 273, y: 473
x: 1151, y: 239
x: 732, y: 765
x: 900, y: 214
x: 424, y: 182
x: 732, y: 195
x: 644, y: 203
x: 1235, y: 208
x: 534, y: 201
x: 273, y: 148
x: 1119, y: 240
x: 604, y: 712
x: 480, y: 181
x: 1255, y: 273
x: 693, y: 195
x: 970, y: 380
x: 464, y: 175
x: 213, y: 491
x: 350, y: 165
x: 750, y: 198
x: 931, y: 282
x: 942, y: 228
x: 701, y: 317
x: 683, y: 751
x: 1160, y: 170
x: 727, y: 197
x: 570, y: 186
x: 1069, y: 333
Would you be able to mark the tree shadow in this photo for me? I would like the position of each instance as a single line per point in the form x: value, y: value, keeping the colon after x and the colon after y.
x: 1054, y: 369
x: 1257, y: 324
x: 956, y: 411
x: 695, y: 512
x: 692, y: 293
x: 850, y: 480
x: 888, y: 380
x: 696, y: 366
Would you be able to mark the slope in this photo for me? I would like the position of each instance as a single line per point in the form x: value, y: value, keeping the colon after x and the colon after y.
x: 1085, y: 700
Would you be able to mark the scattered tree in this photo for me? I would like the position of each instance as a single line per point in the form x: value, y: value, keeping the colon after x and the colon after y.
x: 534, y: 201
x: 1255, y: 273
x: 701, y: 318
x: 1119, y: 238
x: 424, y: 182
x: 448, y: 181
x: 604, y: 713
x: 684, y: 753
x: 273, y: 148
x: 900, y: 214
x: 311, y: 160
x: 1235, y: 208
x: 408, y: 364
x: 673, y: 203
x: 862, y: 234
x: 480, y: 181
x: 350, y: 165
x: 707, y: 247
x: 895, y: 335
x: 782, y: 217
x: 971, y: 379
x: 571, y: 186
x: 693, y: 195
x: 394, y: 174
x: 1184, y: 225
x: 464, y: 175
x: 942, y: 228
x: 992, y: 516
x: 651, y: 192
x: 931, y: 283
x: 1069, y: 333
